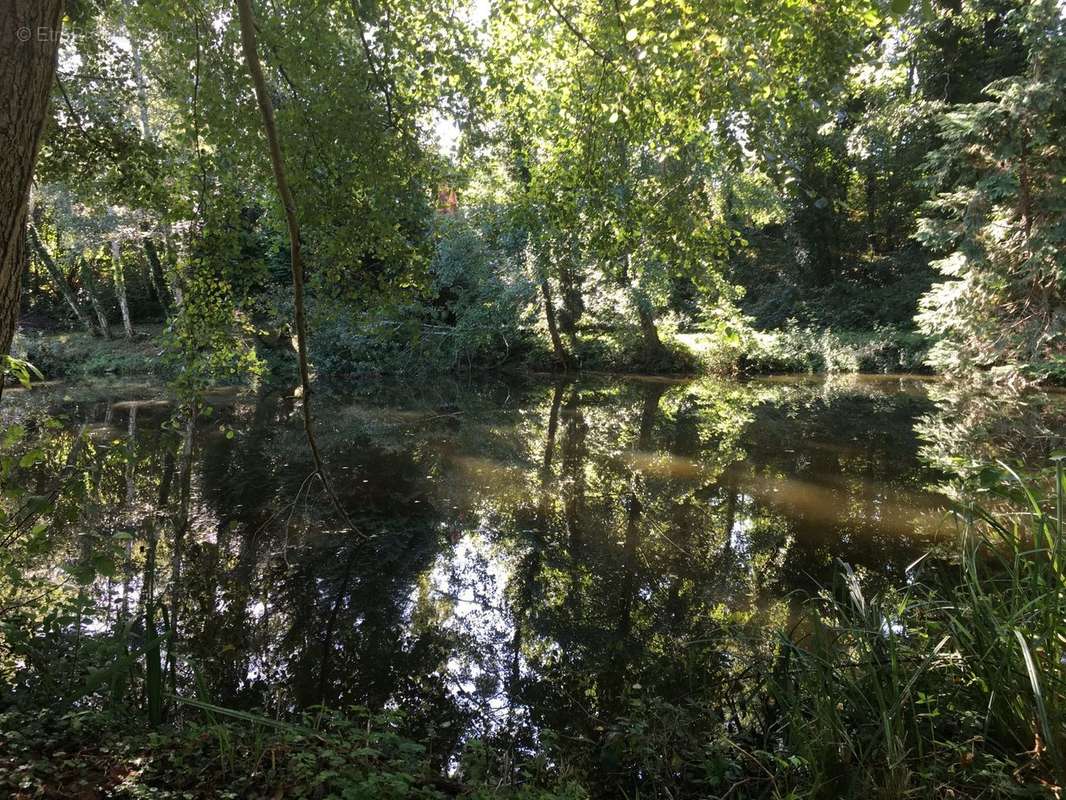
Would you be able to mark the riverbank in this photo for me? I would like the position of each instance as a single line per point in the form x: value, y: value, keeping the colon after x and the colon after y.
x: 77, y: 354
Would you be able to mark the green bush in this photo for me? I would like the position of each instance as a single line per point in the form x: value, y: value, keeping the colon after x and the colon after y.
x: 474, y: 315
x: 795, y: 349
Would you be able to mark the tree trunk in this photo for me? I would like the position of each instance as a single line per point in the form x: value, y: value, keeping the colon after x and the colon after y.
x: 29, y: 43
x: 172, y: 283
x: 277, y: 163
x: 60, y: 280
x: 553, y: 326
x: 873, y: 232
x: 653, y: 346
x: 652, y: 343
x: 155, y: 272
x: 570, y: 290
x: 142, y: 84
x: 120, y: 287
x: 89, y: 282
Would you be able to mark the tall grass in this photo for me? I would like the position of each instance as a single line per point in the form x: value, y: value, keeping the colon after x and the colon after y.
x: 958, y: 680
x: 1011, y: 624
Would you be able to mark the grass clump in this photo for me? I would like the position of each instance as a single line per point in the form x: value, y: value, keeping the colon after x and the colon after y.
x: 952, y: 687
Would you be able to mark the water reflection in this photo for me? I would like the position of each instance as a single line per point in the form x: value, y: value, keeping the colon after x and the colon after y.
x: 526, y: 557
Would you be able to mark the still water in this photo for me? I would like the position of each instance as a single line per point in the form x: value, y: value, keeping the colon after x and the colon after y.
x: 512, y: 555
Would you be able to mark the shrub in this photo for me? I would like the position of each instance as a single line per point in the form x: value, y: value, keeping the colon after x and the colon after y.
x: 475, y: 314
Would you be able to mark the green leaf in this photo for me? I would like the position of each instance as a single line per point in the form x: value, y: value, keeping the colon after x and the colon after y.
x: 104, y: 565
x: 631, y: 35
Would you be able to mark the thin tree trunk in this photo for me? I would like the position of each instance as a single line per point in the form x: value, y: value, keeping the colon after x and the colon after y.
x: 89, y: 282
x: 553, y: 326
x: 28, y: 64
x: 156, y: 274
x: 120, y: 287
x: 142, y: 84
x: 653, y: 345
x: 872, y: 232
x: 59, y: 279
x: 173, y: 283
x: 266, y: 108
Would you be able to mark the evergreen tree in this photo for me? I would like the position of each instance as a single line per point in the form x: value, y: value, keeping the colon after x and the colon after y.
x: 1000, y: 219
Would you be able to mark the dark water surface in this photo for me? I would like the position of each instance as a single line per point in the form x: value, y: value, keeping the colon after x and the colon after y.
x: 521, y: 555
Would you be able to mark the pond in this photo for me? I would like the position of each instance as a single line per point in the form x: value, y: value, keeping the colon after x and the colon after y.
x: 513, y: 556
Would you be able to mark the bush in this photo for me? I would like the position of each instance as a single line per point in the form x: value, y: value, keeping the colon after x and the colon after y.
x: 732, y: 346
x: 795, y: 349
x: 475, y: 314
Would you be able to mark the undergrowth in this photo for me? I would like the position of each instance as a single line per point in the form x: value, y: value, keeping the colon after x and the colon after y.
x: 77, y: 354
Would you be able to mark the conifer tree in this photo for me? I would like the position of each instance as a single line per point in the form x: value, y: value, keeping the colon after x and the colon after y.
x: 1000, y: 219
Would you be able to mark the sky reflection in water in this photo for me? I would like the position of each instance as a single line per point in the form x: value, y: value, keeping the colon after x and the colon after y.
x: 530, y: 552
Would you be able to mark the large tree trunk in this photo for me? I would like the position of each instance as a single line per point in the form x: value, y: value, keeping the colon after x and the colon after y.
x: 653, y: 346
x: 29, y: 42
x: 120, y: 287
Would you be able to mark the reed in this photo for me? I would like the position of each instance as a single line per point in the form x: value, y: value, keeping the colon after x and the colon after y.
x: 958, y: 679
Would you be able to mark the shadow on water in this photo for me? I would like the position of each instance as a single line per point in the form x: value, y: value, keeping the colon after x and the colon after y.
x: 531, y: 556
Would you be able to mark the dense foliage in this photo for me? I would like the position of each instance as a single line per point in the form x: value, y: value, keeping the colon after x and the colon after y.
x: 450, y: 186
x: 1001, y: 218
x: 610, y: 176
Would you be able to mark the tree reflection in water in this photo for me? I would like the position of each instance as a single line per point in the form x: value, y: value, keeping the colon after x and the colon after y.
x: 542, y: 557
